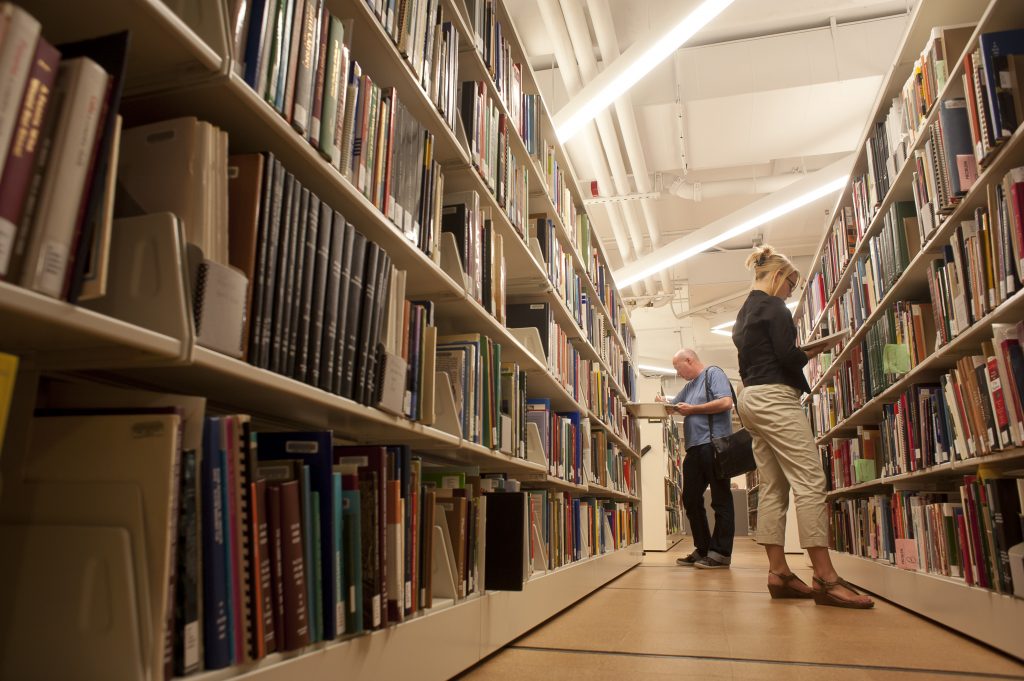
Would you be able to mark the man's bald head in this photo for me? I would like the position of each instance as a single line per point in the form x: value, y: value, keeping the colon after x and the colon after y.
x: 687, y: 364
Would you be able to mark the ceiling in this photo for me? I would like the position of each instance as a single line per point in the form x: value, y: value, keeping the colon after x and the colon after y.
x: 768, y: 91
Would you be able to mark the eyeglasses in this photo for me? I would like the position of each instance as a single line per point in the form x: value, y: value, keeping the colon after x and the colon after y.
x: 793, y: 281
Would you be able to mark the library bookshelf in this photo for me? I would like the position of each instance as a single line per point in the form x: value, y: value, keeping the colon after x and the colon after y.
x: 663, y: 484
x: 839, y: 288
x: 181, y: 63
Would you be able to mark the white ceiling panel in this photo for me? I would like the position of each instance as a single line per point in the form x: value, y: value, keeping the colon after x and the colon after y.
x: 755, y: 127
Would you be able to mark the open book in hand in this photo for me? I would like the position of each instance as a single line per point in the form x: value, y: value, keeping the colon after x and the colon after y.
x: 825, y: 342
x: 649, y: 410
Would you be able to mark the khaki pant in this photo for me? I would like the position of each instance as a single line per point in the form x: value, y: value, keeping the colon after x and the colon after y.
x: 786, y: 456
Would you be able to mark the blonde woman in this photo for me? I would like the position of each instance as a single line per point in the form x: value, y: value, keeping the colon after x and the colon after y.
x: 771, y: 366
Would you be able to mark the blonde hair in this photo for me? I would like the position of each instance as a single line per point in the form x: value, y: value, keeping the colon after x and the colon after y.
x: 765, y: 262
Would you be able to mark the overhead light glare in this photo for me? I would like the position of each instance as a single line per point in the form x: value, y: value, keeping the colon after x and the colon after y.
x: 656, y: 369
x: 640, y: 64
x: 723, y: 329
x: 746, y: 226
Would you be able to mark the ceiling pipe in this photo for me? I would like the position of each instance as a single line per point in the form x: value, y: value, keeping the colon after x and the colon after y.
x: 588, y: 139
x: 579, y: 40
x: 608, y: 44
x: 697, y: 191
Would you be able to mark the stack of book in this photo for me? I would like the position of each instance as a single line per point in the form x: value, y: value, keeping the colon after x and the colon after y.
x: 963, y: 534
x: 488, y: 130
x: 558, y: 190
x: 59, y: 134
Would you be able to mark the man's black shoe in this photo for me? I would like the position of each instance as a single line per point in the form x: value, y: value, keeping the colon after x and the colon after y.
x: 690, y: 560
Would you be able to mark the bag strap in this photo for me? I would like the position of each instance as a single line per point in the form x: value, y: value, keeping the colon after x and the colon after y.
x: 707, y: 390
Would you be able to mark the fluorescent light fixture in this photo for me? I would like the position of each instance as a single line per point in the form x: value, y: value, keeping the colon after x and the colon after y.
x: 745, y: 226
x: 635, y: 64
x: 724, y: 329
x: 656, y: 369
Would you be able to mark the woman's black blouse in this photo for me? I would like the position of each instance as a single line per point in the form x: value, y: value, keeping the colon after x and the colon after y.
x: 765, y: 338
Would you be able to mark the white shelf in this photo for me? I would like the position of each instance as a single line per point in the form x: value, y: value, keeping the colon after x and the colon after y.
x: 59, y: 335
x: 446, y: 640
x: 982, y: 614
x: 602, y: 491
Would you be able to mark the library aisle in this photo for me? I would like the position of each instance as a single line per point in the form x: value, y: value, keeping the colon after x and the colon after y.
x: 660, y: 621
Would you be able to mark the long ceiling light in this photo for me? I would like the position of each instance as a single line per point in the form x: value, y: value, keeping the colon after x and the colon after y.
x: 630, y: 68
x: 656, y: 369
x: 724, y: 329
x: 639, y: 270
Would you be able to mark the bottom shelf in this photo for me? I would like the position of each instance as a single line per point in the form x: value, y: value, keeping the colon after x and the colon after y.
x: 446, y: 640
x: 979, y: 613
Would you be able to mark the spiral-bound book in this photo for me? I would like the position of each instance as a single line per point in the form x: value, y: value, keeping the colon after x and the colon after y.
x: 218, y: 304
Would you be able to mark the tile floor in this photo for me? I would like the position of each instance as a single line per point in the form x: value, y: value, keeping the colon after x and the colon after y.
x: 660, y: 621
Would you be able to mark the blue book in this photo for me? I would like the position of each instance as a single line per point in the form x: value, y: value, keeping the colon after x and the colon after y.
x: 338, y: 548
x: 216, y: 644
x: 314, y: 450
x: 254, y: 41
x: 225, y: 515
x: 995, y: 48
x: 353, y: 571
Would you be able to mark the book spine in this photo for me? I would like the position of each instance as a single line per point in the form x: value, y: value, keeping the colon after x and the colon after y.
x: 307, y: 49
x: 352, y: 315
x: 25, y: 145
x: 307, y: 310
x: 320, y: 294
x: 282, y: 280
x: 215, y: 624
x: 56, y: 221
x: 335, y: 87
x: 299, y: 312
x: 362, y: 348
x: 338, y: 349
x: 275, y: 540
x: 16, y: 52
x: 353, y: 555
x: 186, y: 607
x: 296, y: 629
x: 319, y: 79
x: 328, y: 355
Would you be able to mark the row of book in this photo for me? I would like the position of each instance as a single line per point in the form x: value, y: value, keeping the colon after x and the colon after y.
x: 610, y: 466
x: 899, y: 340
x: 973, y: 410
x: 480, y: 249
x: 983, y: 263
x: 297, y: 56
x: 557, y: 180
x: 59, y: 131
x: 487, y: 131
x: 964, y: 533
x: 256, y: 542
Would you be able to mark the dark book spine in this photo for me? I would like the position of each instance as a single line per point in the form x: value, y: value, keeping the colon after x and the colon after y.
x: 276, y: 552
x: 282, y: 185
x: 215, y: 606
x: 291, y: 192
x: 25, y: 144
x: 362, y: 347
x: 369, y: 515
x: 343, y: 300
x: 328, y: 356
x: 299, y: 249
x: 262, y: 573
x: 306, y: 307
x: 296, y: 631
x: 319, y: 295
x: 270, y: 167
x: 352, y: 315
x: 380, y: 311
x: 296, y: 249
x: 186, y: 601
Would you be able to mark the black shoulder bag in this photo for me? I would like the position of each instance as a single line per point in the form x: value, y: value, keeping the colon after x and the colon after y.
x: 734, y: 454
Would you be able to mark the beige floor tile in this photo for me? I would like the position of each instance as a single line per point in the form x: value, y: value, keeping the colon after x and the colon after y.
x: 690, y: 579
x: 740, y: 625
x: 532, y: 665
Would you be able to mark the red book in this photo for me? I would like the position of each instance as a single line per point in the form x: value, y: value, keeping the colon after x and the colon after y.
x: 296, y: 614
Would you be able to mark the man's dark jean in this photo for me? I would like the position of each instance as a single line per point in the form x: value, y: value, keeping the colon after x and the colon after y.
x: 698, y: 473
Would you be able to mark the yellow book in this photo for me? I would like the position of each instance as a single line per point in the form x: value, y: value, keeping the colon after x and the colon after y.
x: 8, y: 372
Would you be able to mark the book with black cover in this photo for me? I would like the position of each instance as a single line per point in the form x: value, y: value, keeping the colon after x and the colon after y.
x: 329, y: 338
x: 297, y: 276
x: 345, y: 370
x: 186, y: 593
x: 300, y: 199
x: 526, y: 315
x: 378, y: 312
x: 366, y: 306
x: 344, y: 298
x: 306, y: 309
x: 282, y: 186
x: 321, y: 267
x: 111, y: 53
x: 272, y: 172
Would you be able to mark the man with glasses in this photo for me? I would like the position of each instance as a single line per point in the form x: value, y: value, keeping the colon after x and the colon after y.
x: 705, y: 402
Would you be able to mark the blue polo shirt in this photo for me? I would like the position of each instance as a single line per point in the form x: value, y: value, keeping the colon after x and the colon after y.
x: 695, y: 426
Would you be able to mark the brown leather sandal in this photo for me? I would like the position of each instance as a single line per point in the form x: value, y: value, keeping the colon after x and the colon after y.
x: 785, y: 590
x: 824, y: 595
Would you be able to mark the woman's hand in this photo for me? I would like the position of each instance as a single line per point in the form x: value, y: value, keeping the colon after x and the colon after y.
x: 814, y: 351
